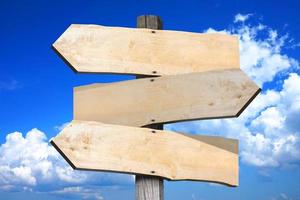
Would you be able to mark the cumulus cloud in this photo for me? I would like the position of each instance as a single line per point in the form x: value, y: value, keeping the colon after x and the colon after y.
x: 261, y: 54
x: 270, y: 138
x: 263, y: 59
x: 268, y: 129
x: 30, y: 163
x: 23, y: 158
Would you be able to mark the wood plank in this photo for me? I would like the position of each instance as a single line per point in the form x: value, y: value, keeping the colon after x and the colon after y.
x: 100, y: 49
x: 104, y: 147
x: 214, y: 94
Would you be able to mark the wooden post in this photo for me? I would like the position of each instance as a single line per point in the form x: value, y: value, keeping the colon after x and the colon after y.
x: 149, y: 187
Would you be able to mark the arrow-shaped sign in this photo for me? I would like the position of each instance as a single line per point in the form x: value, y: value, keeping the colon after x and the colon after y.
x: 98, y: 146
x: 202, y: 81
x: 212, y: 94
x: 100, y: 49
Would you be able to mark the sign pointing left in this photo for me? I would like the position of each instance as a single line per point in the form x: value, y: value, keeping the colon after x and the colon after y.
x: 106, y: 147
x: 100, y: 49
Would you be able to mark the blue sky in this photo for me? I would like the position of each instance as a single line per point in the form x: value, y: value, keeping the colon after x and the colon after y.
x: 36, y: 96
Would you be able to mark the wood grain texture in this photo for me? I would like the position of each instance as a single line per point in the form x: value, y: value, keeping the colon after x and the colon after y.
x: 214, y: 94
x: 100, y: 49
x: 149, y: 22
x: 104, y: 147
x: 149, y: 188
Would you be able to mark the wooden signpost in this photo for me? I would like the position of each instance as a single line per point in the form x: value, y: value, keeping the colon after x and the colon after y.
x: 182, y: 76
x: 149, y: 187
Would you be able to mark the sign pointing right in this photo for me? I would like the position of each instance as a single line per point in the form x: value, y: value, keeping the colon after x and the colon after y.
x: 204, y: 95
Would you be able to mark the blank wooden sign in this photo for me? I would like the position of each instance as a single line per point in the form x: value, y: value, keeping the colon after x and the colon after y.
x: 212, y: 94
x: 100, y: 49
x: 198, y: 77
x: 98, y: 146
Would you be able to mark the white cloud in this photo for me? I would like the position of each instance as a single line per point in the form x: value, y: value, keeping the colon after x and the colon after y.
x: 85, y: 193
x: 67, y: 174
x: 269, y: 120
x: 24, y: 158
x: 241, y: 18
x: 261, y: 54
x: 262, y: 59
x: 30, y: 163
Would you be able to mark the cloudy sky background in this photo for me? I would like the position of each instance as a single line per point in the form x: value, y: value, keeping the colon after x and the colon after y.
x: 35, y: 102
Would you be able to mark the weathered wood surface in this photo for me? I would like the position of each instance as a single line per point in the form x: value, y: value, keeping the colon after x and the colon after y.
x: 149, y: 22
x: 149, y: 187
x: 100, y: 49
x: 213, y: 94
x: 104, y: 147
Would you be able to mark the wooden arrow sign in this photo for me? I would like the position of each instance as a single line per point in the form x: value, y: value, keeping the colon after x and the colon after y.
x: 95, y: 49
x: 98, y: 146
x: 200, y: 79
x: 212, y: 94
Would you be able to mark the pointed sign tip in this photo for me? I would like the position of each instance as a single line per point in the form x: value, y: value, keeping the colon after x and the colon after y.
x: 248, y: 102
x: 62, y: 154
x: 54, y: 48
